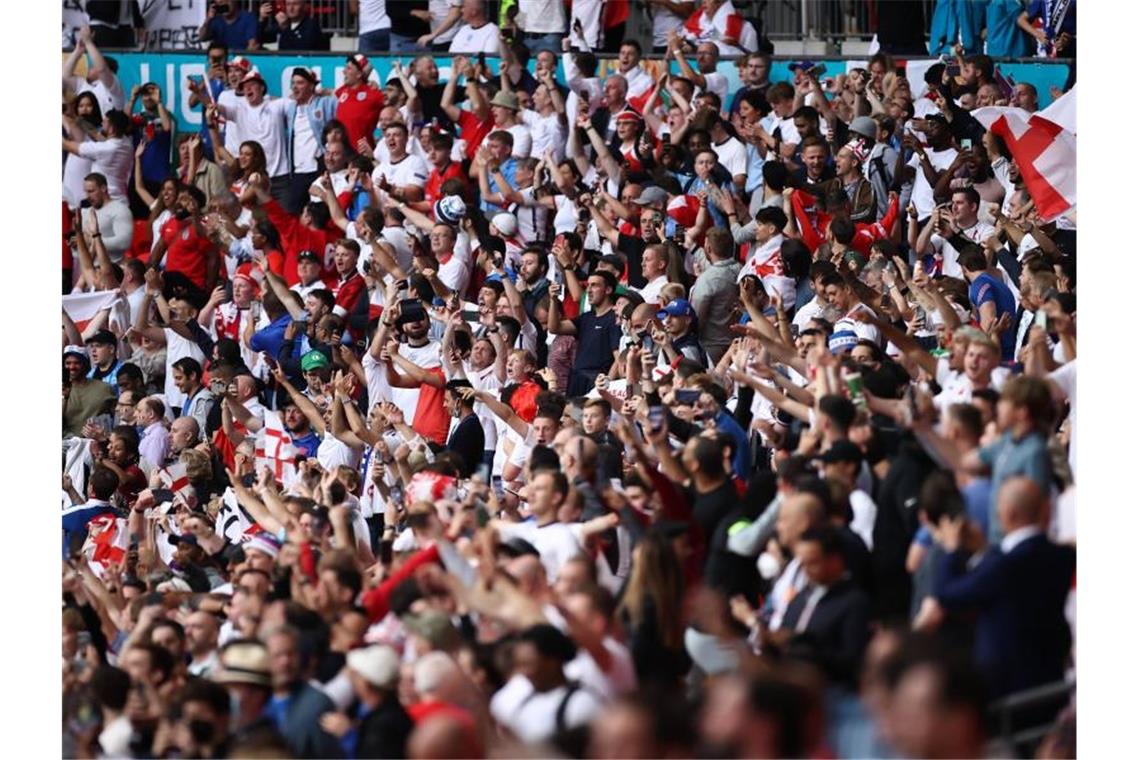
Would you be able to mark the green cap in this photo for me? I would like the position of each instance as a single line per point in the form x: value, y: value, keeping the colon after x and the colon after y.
x: 313, y: 360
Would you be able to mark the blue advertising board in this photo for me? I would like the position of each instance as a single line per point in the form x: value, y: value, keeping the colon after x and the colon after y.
x: 170, y: 72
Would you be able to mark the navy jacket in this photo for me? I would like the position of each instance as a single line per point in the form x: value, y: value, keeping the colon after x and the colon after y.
x: 1022, y: 638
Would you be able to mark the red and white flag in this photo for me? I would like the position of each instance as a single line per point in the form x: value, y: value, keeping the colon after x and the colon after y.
x: 82, y: 307
x: 174, y: 479
x: 726, y: 28
x: 683, y: 209
x: 232, y: 522
x: 430, y: 486
x: 1045, y: 152
x: 107, y: 542
x: 275, y: 450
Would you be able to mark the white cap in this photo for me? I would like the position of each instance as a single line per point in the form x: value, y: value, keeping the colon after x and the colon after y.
x: 378, y: 665
x: 506, y: 223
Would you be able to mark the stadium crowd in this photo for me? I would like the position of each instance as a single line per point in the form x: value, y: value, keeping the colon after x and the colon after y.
x: 530, y: 411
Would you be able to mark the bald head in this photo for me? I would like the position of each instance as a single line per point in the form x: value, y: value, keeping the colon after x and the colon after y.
x: 1021, y: 503
x: 583, y: 450
x: 184, y: 433
x: 798, y: 512
x: 246, y: 387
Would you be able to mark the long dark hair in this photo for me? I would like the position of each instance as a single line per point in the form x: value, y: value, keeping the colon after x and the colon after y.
x: 96, y: 117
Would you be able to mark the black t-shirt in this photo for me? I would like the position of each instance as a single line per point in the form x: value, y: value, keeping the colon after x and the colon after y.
x: 430, y: 98
x: 633, y: 248
x: 709, y: 508
x: 404, y: 23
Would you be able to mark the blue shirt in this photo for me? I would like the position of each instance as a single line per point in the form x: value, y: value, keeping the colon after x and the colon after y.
x: 1009, y: 457
x: 1004, y: 38
x: 235, y: 36
x: 308, y: 444
x: 728, y: 425
x: 269, y: 339
x: 988, y: 289
x: 508, y: 168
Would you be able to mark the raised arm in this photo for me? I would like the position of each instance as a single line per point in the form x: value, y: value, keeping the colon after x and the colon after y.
x: 307, y: 407
x: 499, y: 409
x: 555, y: 324
x: 99, y: 67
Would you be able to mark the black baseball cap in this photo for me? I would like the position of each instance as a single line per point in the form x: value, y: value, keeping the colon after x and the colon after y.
x: 103, y: 338
x: 307, y: 255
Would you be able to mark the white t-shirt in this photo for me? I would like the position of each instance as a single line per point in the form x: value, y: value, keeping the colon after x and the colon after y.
x: 863, y: 524
x: 426, y: 356
x: 589, y: 13
x: 542, y: 16
x: 263, y: 123
x: 486, y: 380
x: 861, y: 329
x: 664, y: 21
x: 546, y: 133
x: 718, y: 83
x: 652, y: 290
x: 304, y: 144
x: 231, y: 134
x: 177, y: 348
x: 439, y: 10
x: 556, y: 542
x: 732, y: 155
x: 114, y: 158
x: 471, y: 41
x: 807, y: 313
x: 109, y: 97
x: 923, y: 194
x: 532, y: 716
x: 979, y: 233
x: 408, y: 171
x: 374, y: 16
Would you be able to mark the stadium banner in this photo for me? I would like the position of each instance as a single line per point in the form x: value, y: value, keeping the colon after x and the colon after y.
x: 170, y: 24
x: 170, y: 70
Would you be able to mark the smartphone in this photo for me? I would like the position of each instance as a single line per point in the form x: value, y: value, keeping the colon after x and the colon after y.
x: 483, y: 474
x: 401, y: 284
x: 687, y: 396
x: 967, y: 144
x: 82, y: 641
x: 656, y: 418
x: 386, y: 552
x: 1041, y: 319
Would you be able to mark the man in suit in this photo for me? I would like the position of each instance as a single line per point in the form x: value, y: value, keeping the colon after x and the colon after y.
x: 296, y: 707
x: 828, y: 623
x: 1019, y: 590
x: 466, y: 437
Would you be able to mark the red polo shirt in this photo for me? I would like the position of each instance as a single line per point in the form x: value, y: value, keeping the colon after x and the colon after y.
x: 358, y: 108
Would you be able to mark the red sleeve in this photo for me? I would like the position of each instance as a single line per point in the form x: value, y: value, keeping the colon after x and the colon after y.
x: 348, y: 296
x: 344, y: 199
x: 375, y: 601
x: 811, y: 237
x: 276, y: 261
x: 285, y: 222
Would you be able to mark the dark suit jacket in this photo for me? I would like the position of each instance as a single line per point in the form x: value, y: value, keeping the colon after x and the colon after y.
x: 837, y: 632
x: 384, y: 732
x: 467, y: 441
x: 1022, y: 638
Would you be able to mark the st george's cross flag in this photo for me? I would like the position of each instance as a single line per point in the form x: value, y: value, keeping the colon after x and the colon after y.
x: 1045, y: 152
x: 275, y: 450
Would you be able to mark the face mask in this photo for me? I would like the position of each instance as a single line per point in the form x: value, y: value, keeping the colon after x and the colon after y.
x: 202, y: 731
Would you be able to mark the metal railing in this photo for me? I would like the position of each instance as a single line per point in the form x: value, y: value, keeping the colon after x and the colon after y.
x: 1010, y: 714
x: 777, y: 19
